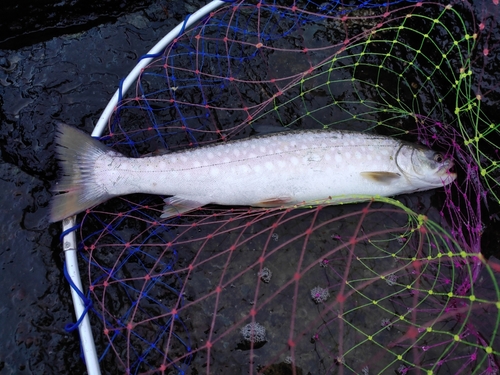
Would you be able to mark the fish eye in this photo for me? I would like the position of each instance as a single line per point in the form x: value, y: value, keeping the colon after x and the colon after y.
x: 438, y: 158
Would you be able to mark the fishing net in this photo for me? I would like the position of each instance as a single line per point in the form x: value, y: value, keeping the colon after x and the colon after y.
x: 387, y: 286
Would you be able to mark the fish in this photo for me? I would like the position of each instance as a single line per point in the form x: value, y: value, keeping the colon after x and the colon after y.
x: 285, y: 169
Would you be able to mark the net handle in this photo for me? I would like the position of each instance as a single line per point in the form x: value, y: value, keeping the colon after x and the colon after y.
x: 143, y: 62
x: 73, y: 274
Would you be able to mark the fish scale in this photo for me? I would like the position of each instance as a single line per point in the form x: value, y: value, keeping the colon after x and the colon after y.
x: 281, y: 169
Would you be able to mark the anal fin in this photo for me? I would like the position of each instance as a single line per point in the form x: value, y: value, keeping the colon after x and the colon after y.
x: 273, y: 202
x: 175, y: 206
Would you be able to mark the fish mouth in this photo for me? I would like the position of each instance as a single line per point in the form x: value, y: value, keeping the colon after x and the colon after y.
x: 449, y: 178
x: 447, y: 172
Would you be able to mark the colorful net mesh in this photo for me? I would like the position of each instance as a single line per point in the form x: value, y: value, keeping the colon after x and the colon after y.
x: 388, y: 286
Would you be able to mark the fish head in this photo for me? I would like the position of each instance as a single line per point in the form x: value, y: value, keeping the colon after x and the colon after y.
x: 429, y: 168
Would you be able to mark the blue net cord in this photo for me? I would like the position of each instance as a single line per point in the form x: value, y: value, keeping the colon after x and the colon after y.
x: 154, y: 55
x: 146, y: 56
x: 87, y: 302
x: 70, y: 327
x: 68, y: 231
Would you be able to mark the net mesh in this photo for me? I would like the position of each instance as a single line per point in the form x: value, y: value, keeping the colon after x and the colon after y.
x: 388, y: 286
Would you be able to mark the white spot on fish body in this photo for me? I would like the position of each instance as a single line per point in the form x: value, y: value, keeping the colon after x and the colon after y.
x: 294, y: 160
x: 281, y: 164
x: 269, y: 166
x: 357, y: 155
x: 162, y: 165
x: 226, y: 160
x: 262, y: 149
x: 183, y: 159
x: 338, y: 158
x: 257, y: 168
x: 214, y: 171
x: 244, y: 169
x: 196, y: 164
x: 210, y: 155
x: 328, y: 157
x: 236, y: 152
x: 348, y: 155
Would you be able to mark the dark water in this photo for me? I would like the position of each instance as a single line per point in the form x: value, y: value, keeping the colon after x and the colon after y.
x: 57, y: 63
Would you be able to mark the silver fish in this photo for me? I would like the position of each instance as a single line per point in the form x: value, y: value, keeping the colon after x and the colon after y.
x: 277, y: 170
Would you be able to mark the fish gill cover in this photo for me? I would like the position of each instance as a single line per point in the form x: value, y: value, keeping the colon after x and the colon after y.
x: 388, y: 286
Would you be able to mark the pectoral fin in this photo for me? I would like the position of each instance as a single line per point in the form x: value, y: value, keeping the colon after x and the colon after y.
x: 381, y: 177
x: 175, y: 206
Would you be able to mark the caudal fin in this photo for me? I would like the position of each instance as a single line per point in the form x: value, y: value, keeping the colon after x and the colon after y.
x: 77, y: 153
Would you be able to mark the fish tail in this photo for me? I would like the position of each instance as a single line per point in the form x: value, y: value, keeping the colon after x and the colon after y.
x: 77, y: 153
